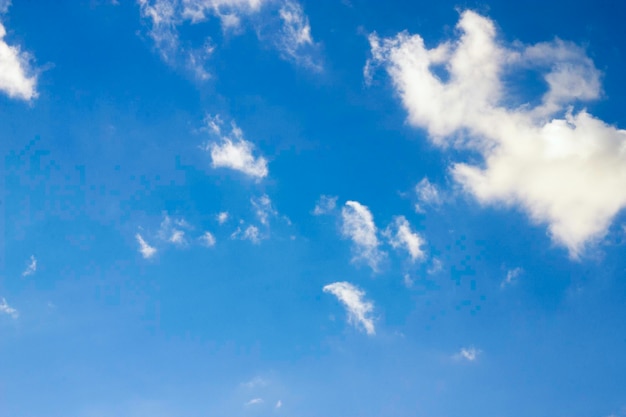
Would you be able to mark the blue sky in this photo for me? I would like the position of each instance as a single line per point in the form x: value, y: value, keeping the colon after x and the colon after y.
x: 299, y: 208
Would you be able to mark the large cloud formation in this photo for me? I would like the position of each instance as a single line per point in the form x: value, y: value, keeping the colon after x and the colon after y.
x: 564, y: 167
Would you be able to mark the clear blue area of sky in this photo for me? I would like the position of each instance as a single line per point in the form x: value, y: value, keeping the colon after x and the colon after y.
x: 114, y: 142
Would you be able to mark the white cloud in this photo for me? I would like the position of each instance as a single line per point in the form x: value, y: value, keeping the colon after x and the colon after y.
x: 17, y: 79
x: 254, y: 401
x: 469, y: 354
x: 234, y: 152
x: 4, y: 6
x: 408, y: 281
x: 145, y: 249
x: 358, y: 225
x: 427, y: 194
x: 295, y: 41
x: 207, y: 239
x: 250, y: 233
x: 326, y: 204
x: 31, y: 268
x: 222, y: 217
x: 7, y: 309
x: 359, y: 310
x: 171, y: 231
x: 565, y: 168
x: 435, y: 266
x: 399, y: 235
x: 256, y: 382
x: 512, y: 275
x: 263, y: 208
x: 279, y: 404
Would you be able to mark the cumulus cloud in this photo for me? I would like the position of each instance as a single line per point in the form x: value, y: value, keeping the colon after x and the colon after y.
x: 222, y: 217
x: 164, y: 17
x: 172, y: 231
x: 400, y: 235
x: 512, y: 275
x: 359, y: 310
x: 234, y: 152
x: 17, y: 78
x: 469, y: 354
x: 7, y: 309
x: 145, y: 249
x: 564, y: 167
x: 358, y: 225
x: 326, y: 204
x: 31, y: 268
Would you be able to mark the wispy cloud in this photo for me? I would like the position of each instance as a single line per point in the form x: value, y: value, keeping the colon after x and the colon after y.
x: 7, y: 309
x: 400, y: 235
x: 222, y: 217
x: 358, y: 225
x: 565, y: 168
x: 512, y: 275
x: 279, y: 404
x: 254, y: 401
x: 171, y: 230
x: 234, y: 152
x: 31, y: 268
x: 295, y: 42
x: 359, y: 310
x: 145, y: 249
x: 469, y: 354
x: 250, y: 233
x: 325, y: 205
x: 263, y: 208
x: 427, y: 195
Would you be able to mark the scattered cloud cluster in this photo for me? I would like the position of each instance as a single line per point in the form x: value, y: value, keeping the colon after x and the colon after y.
x: 5, y: 308
x: 292, y: 37
x: 17, y: 77
x: 234, y: 152
x: 564, y: 167
x: 31, y: 267
x: 358, y: 308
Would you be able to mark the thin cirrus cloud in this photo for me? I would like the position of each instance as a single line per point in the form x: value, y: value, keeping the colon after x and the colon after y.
x: 232, y: 151
x: 31, y: 267
x: 401, y: 236
x: 17, y: 78
x: 427, y: 195
x: 358, y: 308
x: 282, y: 23
x: 325, y: 205
x: 358, y: 225
x: 469, y: 354
x: 564, y: 167
x: 5, y: 308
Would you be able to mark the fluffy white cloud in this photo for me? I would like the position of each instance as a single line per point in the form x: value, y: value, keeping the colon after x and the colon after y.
x: 16, y: 76
x: 326, y: 204
x: 400, y: 235
x: 358, y: 225
x: 512, y: 275
x: 234, y: 152
x: 469, y: 354
x: 359, y: 310
x: 31, y: 268
x: 222, y: 217
x: 145, y: 249
x: 207, y: 239
x: 566, y: 168
x: 7, y: 309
